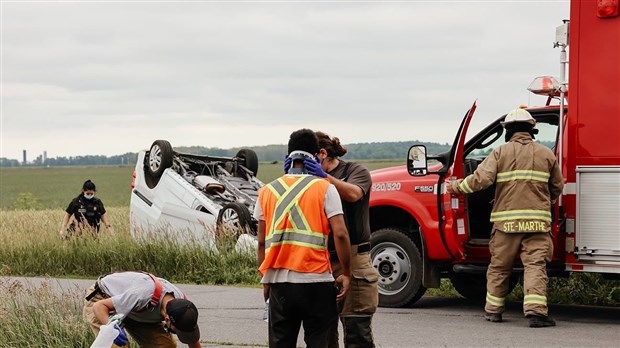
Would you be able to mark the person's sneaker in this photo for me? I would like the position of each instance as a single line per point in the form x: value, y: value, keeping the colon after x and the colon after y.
x: 541, y: 321
x: 493, y: 317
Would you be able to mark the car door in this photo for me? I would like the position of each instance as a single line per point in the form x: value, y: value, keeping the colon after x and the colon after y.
x: 452, y: 207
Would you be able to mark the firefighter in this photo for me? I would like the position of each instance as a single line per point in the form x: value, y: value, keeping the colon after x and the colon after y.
x: 149, y: 308
x: 528, y: 181
x: 295, y: 214
x: 88, y: 212
x: 352, y: 180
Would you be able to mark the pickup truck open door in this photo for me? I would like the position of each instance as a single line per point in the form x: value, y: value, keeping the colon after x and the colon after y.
x: 451, y: 208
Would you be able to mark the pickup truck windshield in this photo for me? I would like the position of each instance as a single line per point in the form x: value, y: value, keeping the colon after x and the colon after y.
x: 547, y: 135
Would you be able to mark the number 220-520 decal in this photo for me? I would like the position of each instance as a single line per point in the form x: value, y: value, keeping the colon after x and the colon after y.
x: 386, y: 186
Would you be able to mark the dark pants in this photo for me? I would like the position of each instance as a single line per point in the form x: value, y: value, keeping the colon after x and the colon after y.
x: 290, y: 305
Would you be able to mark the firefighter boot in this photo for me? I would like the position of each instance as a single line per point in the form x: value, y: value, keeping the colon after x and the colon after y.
x: 357, y: 331
x: 541, y: 321
x: 493, y: 317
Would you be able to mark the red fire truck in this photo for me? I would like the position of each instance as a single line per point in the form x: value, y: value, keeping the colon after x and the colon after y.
x: 421, y: 233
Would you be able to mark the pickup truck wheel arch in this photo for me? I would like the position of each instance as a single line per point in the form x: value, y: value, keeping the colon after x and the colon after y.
x: 398, y: 261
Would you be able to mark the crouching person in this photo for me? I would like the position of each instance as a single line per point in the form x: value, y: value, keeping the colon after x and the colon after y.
x: 149, y: 308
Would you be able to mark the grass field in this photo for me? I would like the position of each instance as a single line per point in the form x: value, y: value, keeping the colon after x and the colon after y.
x: 29, y: 244
x: 54, y: 187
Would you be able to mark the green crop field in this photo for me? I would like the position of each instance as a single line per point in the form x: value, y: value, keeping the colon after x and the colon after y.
x: 53, y: 188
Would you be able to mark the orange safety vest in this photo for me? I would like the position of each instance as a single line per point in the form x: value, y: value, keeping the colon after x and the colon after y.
x: 296, y: 224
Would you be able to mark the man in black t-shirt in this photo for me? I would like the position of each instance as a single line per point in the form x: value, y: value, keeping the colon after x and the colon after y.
x: 353, y: 182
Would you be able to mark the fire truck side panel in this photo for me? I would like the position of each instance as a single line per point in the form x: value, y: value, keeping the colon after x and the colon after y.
x: 591, y: 159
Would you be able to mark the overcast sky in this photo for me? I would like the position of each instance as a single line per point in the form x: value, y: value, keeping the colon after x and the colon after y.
x: 109, y: 77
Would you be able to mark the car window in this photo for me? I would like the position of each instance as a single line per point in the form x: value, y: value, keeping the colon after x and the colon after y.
x: 547, y: 135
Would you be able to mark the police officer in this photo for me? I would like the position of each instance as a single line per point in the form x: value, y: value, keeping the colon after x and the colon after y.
x: 528, y: 181
x: 352, y: 180
x: 88, y: 212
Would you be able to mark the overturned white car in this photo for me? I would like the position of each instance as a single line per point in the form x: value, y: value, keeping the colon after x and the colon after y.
x: 193, y: 195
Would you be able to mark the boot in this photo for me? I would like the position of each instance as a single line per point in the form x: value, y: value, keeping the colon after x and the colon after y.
x: 541, y: 321
x: 493, y: 317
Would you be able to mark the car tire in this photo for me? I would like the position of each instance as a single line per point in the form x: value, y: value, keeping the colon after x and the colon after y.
x: 233, y: 220
x: 250, y: 160
x: 399, y: 263
x: 159, y: 158
x: 474, y: 286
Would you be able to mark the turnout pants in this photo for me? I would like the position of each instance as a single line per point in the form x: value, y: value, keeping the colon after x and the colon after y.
x: 147, y: 335
x: 535, y: 250
x: 294, y: 304
x: 360, y: 303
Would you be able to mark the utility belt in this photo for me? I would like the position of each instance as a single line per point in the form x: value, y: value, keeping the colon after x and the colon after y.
x: 355, y: 249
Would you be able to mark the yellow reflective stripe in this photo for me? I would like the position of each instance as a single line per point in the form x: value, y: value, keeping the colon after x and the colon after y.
x: 274, y: 191
x: 298, y: 219
x: 464, y: 186
x: 309, y: 233
x: 543, y: 215
x: 295, y: 191
x: 294, y: 242
x: 496, y: 301
x: 535, y: 299
x: 523, y: 175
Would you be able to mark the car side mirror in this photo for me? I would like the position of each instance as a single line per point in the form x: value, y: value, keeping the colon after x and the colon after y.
x: 416, y: 161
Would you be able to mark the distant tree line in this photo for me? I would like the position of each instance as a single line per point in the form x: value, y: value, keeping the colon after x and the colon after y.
x: 267, y: 153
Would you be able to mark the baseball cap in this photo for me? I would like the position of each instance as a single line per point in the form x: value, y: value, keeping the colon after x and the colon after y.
x: 184, y: 316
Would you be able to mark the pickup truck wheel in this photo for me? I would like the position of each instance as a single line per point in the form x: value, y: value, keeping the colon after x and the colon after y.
x: 233, y: 220
x: 474, y: 286
x: 250, y: 160
x: 160, y: 158
x: 397, y: 259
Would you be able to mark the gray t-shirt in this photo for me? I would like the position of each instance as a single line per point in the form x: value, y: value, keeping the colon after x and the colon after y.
x: 131, y: 293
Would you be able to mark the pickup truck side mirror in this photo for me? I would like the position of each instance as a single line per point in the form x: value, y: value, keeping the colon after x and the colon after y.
x: 416, y: 161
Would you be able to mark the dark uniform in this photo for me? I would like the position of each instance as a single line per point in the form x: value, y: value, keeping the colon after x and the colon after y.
x: 86, y: 211
x: 363, y: 298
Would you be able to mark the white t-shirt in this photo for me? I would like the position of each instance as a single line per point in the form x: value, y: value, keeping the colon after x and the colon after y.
x: 131, y: 292
x: 332, y: 206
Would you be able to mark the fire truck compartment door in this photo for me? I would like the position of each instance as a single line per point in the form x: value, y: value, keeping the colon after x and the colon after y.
x: 598, y: 217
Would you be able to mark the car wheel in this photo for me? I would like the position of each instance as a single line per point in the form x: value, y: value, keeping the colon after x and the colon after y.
x: 250, y: 160
x: 233, y: 220
x: 160, y: 158
x: 474, y: 286
x: 397, y: 259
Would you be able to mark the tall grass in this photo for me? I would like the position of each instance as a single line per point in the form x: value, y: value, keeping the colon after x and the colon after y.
x: 30, y: 246
x: 38, y: 317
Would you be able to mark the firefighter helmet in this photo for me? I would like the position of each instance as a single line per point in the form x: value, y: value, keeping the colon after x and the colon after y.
x: 519, y: 115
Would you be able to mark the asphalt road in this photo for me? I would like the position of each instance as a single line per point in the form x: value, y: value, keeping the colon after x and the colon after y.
x: 232, y: 317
